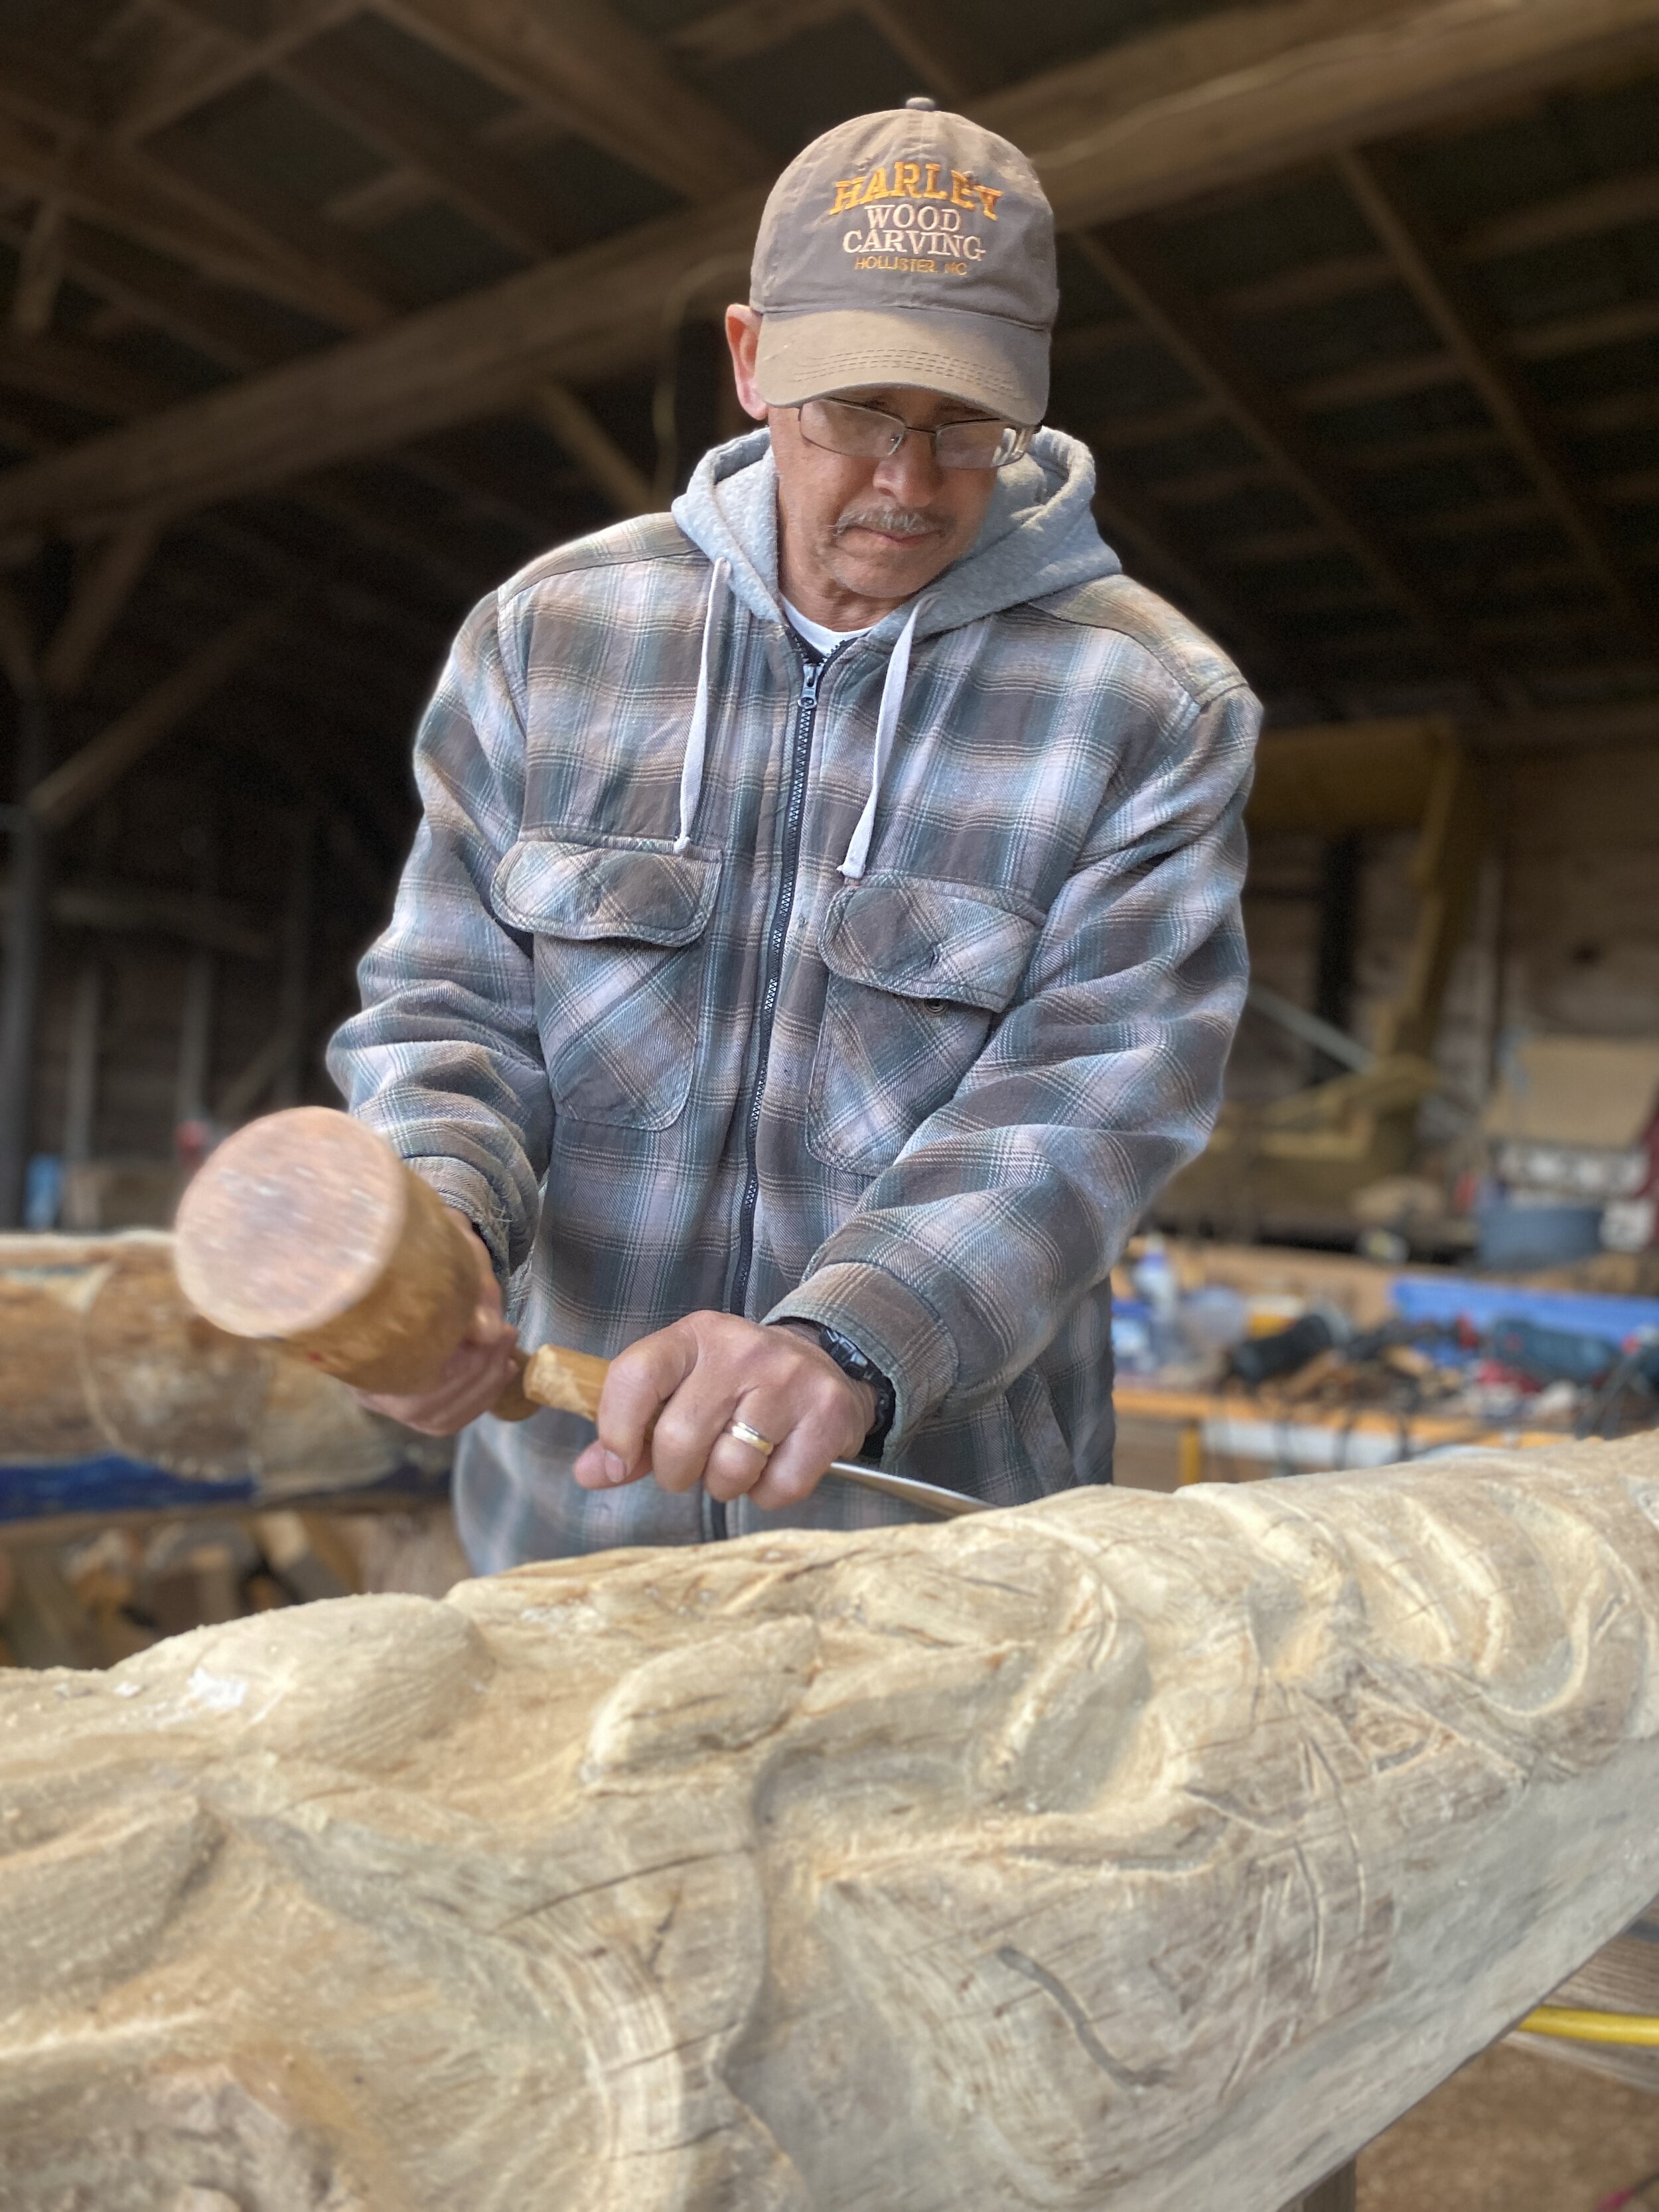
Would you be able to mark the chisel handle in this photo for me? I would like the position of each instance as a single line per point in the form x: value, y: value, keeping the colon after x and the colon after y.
x: 569, y: 1381
x: 572, y: 1381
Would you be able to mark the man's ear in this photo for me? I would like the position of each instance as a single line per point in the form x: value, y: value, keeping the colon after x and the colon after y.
x: 742, y: 335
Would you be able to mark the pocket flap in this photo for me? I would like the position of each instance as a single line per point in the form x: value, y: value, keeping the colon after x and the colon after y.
x: 555, y: 889
x: 928, y: 941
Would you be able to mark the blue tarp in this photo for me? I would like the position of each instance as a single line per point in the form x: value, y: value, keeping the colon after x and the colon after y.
x: 42, y: 1490
x: 1450, y: 1299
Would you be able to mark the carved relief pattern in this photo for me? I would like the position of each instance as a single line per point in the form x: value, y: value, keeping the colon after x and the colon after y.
x: 1120, y: 1851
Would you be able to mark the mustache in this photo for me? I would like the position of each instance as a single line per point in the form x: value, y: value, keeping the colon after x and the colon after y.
x: 895, y: 521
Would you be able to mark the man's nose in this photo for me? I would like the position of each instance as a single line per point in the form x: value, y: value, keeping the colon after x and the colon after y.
x: 909, y: 477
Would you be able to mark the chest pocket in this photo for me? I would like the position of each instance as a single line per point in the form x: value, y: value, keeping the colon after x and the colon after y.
x: 919, y: 971
x: 620, y: 938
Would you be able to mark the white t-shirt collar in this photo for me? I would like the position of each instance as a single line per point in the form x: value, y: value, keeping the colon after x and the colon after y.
x: 818, y: 634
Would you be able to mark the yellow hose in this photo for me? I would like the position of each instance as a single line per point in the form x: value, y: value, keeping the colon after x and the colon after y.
x: 1574, y: 2027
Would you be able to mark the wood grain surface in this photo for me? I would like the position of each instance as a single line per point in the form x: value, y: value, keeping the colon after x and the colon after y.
x: 1120, y: 1851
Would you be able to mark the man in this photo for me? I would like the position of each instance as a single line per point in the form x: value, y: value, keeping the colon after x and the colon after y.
x: 822, y: 940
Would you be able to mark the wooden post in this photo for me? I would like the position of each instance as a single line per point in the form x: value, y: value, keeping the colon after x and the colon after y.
x: 195, y: 1037
x: 296, y: 961
x: 81, y: 1088
x: 196, y: 1022
x: 26, y: 945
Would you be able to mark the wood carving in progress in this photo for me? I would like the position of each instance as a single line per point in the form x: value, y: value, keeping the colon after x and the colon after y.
x: 1120, y: 1851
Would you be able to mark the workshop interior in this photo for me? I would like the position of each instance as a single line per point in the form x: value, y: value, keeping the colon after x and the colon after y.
x: 1260, y: 1815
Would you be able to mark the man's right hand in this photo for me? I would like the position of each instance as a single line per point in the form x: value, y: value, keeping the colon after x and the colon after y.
x: 472, y: 1377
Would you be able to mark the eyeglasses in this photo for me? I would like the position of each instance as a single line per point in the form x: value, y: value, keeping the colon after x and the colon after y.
x: 869, y: 434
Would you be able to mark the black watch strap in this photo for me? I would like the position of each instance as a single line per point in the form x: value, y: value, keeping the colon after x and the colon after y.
x: 857, y: 1367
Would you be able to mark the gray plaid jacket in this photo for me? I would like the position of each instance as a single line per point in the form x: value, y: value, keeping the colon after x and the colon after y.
x: 890, y: 1007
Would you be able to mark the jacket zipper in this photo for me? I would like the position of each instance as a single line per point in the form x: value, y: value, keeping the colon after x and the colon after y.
x: 806, y: 708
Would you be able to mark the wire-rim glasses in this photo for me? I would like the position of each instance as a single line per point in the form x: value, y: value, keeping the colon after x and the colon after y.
x: 870, y: 434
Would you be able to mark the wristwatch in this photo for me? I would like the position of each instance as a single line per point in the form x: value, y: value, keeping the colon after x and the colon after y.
x: 857, y: 1367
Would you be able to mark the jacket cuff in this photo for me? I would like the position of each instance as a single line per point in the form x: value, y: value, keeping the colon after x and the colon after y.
x: 891, y: 1325
x: 460, y: 1185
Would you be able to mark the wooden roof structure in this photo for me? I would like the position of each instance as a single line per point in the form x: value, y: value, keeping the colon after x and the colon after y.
x: 324, y: 315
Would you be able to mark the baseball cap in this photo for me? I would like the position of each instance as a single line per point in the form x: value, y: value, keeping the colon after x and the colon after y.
x: 908, y: 247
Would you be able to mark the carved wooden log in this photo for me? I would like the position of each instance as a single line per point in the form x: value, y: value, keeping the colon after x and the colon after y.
x: 100, y: 1354
x: 1120, y: 1851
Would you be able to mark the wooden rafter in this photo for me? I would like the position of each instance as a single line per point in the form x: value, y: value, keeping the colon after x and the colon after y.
x: 590, y: 445
x: 744, y: 28
x: 40, y: 269
x: 1300, y: 72
x: 78, y: 375
x: 362, y: 293
x: 1467, y: 330
x: 1585, y: 212
x: 1130, y: 260
x: 1152, y: 541
x: 1266, y: 87
x: 108, y: 577
x: 72, y: 787
x: 447, y: 365
x: 205, y: 60
x: 459, y: 169
x: 605, y: 80
x: 1607, y: 204
x: 926, y: 36
x: 124, y: 190
x: 63, y: 368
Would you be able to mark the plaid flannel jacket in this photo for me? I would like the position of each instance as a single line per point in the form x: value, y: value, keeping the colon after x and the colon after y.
x: 647, y: 1014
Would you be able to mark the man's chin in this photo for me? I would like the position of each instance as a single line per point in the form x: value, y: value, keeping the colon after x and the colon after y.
x: 888, y: 569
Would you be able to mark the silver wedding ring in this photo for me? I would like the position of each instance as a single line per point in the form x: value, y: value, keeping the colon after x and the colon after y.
x: 756, y: 1442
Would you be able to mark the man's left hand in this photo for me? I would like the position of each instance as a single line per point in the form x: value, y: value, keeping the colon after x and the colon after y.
x: 669, y: 1401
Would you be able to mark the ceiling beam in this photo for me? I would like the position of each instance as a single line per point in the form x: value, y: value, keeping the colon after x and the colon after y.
x: 1129, y: 257
x: 74, y: 784
x: 1234, y: 95
x: 127, y: 907
x: 599, y: 310
x: 1607, y: 204
x: 204, y: 318
x: 73, y: 374
x: 450, y: 364
x: 65, y: 368
x: 1587, y: 211
x: 606, y: 80
x: 206, y: 60
x: 1470, y: 333
x: 593, y: 448
x: 927, y: 36
x: 360, y: 291
x: 126, y: 192
x: 745, y: 27
x: 457, y: 167
x: 40, y: 269
x: 1156, y: 544
x: 109, y: 574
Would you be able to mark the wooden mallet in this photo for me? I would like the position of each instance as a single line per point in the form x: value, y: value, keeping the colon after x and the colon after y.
x: 306, y: 1229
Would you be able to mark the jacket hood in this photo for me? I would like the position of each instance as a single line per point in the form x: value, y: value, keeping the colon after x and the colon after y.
x: 1039, y: 534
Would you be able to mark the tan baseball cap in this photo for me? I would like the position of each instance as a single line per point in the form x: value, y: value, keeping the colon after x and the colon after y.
x: 910, y: 247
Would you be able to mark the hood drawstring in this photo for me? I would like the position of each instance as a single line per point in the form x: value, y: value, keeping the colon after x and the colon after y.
x: 696, y: 742
x: 892, y: 699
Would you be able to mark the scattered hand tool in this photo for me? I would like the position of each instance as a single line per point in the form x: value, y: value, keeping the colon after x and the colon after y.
x: 305, y: 1228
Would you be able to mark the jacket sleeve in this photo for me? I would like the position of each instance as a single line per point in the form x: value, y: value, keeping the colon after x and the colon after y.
x: 445, y: 1061
x: 1011, y: 1203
